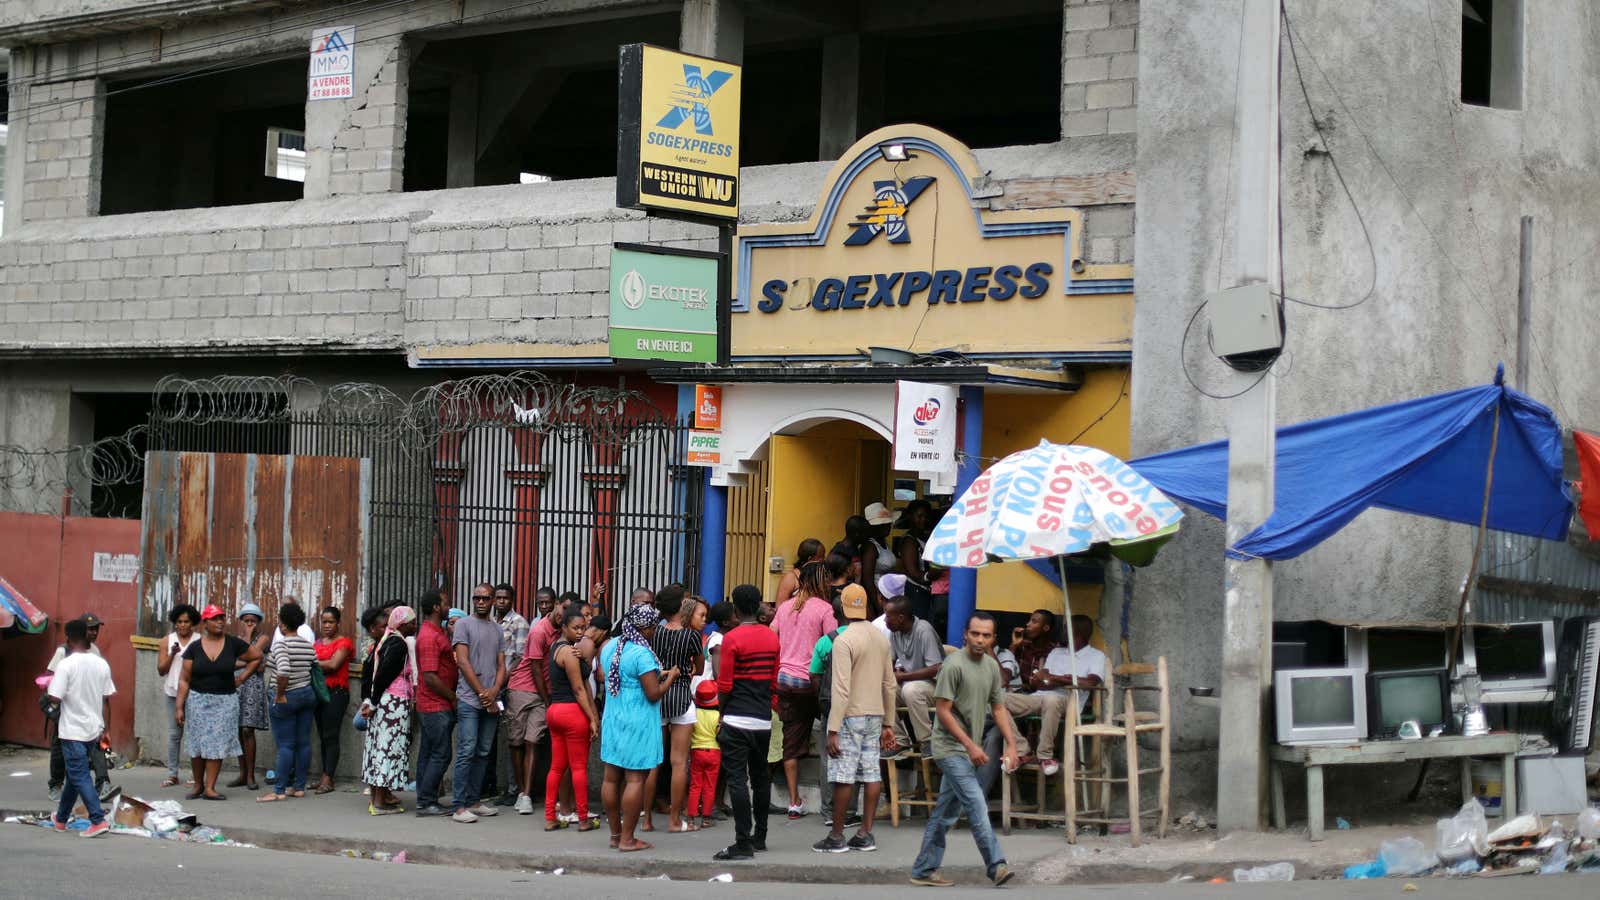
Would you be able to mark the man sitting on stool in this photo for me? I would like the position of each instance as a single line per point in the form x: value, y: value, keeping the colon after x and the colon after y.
x: 1032, y: 644
x: 918, y: 654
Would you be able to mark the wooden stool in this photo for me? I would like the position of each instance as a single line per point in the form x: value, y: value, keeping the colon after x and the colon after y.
x: 892, y: 775
x: 1125, y: 726
x: 1041, y: 813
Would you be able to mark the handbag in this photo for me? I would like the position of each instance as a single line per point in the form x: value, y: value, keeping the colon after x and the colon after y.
x: 319, y: 683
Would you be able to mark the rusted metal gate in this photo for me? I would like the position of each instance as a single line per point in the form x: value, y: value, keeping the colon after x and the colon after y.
x: 236, y: 528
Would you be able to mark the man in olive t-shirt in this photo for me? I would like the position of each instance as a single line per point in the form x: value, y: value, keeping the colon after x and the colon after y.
x: 970, y: 688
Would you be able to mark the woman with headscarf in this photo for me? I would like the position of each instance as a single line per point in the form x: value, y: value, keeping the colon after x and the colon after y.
x: 917, y: 519
x: 630, y: 734
x: 386, y: 705
x: 252, y: 695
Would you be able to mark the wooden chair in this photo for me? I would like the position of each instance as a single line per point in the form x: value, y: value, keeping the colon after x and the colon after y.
x: 1040, y: 812
x: 1125, y: 726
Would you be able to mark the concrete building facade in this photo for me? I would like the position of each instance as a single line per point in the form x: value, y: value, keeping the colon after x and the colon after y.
x: 457, y: 210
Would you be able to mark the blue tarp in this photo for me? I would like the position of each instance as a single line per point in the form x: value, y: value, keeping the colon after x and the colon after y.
x: 1424, y: 456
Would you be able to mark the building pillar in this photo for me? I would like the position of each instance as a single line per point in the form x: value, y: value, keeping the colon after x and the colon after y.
x: 713, y: 540
x: 54, y: 145
x: 841, y: 81
x: 964, y: 582
x: 357, y: 146
x: 461, y: 143
x: 713, y: 28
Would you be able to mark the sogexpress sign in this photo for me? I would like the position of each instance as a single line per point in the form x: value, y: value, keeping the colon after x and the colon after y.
x: 907, y: 253
x: 663, y: 306
x: 678, y: 133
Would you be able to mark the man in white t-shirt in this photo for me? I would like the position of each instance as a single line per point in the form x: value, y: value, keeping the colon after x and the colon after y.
x: 82, y: 684
x: 1089, y: 664
x: 97, y: 757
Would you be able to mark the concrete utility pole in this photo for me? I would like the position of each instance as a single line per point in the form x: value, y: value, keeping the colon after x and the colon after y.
x: 1525, y: 305
x: 1252, y: 438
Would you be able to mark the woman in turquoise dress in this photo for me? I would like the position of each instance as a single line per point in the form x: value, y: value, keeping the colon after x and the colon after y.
x: 630, y: 727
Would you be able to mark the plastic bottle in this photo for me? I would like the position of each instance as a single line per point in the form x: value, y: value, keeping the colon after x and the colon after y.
x: 1556, y: 862
x: 1276, y: 872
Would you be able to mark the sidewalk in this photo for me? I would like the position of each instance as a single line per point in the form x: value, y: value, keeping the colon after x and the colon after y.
x: 334, y: 822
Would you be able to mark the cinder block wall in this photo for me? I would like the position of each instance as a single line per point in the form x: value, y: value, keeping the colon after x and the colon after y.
x: 1099, y: 67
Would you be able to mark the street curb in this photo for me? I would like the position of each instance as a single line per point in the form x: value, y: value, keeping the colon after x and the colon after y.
x: 1043, y: 873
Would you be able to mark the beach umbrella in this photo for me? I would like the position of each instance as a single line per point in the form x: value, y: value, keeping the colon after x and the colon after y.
x: 1049, y: 502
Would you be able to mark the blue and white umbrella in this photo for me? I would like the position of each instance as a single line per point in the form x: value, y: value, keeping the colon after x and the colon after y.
x: 1053, y: 500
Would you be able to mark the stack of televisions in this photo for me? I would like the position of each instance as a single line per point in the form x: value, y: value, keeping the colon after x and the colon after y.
x: 1393, y: 676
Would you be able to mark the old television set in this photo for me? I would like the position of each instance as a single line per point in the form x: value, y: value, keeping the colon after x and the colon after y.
x: 1402, y: 695
x: 1516, y: 662
x: 1327, y: 705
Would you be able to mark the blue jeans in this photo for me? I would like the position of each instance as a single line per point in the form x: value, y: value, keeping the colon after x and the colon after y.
x: 291, y: 731
x: 475, y: 731
x: 433, y: 755
x: 959, y: 792
x: 79, y: 783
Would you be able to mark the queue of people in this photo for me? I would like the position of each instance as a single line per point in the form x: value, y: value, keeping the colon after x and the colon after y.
x: 693, y: 715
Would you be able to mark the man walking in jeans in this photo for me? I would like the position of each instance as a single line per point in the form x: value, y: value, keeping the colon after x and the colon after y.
x: 970, y: 686
x: 747, y: 673
x: 436, y: 703
x: 82, y: 682
x: 479, y: 656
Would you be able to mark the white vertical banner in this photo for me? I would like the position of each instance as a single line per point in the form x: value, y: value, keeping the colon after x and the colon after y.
x: 924, y: 427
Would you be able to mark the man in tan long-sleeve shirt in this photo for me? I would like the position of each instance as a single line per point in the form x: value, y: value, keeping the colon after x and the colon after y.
x: 863, y: 692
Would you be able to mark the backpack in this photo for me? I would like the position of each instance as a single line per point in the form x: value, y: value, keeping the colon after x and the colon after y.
x: 825, y: 678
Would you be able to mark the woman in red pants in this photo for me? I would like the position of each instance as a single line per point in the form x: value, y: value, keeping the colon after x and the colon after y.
x: 573, y: 723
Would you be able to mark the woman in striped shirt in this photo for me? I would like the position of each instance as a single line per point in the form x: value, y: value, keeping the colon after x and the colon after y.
x: 292, y: 658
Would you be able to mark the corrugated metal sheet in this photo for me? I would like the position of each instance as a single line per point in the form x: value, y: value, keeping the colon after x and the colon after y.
x: 1537, y: 579
x: 236, y: 528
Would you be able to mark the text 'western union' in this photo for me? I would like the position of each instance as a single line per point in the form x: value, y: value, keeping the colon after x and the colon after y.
x: 677, y: 183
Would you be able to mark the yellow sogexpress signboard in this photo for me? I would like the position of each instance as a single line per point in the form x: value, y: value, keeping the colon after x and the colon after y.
x: 678, y: 133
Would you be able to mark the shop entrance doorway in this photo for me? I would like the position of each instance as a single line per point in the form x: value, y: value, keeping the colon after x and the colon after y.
x: 817, y: 478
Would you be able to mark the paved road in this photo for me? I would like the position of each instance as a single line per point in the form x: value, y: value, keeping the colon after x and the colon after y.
x: 41, y: 865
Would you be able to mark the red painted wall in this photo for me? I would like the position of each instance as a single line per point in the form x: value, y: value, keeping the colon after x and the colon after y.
x: 51, y: 561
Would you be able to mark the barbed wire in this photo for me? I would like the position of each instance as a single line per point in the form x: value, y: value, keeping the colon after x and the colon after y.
x: 40, y: 480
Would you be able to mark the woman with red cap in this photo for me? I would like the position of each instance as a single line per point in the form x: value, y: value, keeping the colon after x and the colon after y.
x: 208, y: 700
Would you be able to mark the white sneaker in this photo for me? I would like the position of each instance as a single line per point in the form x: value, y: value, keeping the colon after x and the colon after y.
x: 524, y: 805
x: 464, y: 816
x: 571, y: 818
x: 1049, y: 767
x: 484, y: 809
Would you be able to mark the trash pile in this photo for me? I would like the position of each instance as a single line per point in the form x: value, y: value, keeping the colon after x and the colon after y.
x: 133, y: 817
x: 1464, y: 845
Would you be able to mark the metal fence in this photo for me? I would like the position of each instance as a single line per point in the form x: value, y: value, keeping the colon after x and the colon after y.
x: 492, y: 479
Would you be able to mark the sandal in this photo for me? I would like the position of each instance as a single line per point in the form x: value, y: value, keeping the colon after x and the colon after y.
x: 271, y: 798
x: 297, y: 793
x: 171, y: 781
x: 323, y: 789
x: 590, y: 825
x: 217, y: 796
x: 682, y: 828
x: 193, y: 795
x: 554, y: 826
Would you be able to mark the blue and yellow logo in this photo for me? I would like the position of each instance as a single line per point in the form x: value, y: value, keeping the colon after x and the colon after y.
x: 689, y: 99
x: 887, y: 212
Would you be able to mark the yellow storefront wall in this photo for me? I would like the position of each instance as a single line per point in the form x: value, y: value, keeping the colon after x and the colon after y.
x: 1012, y: 422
